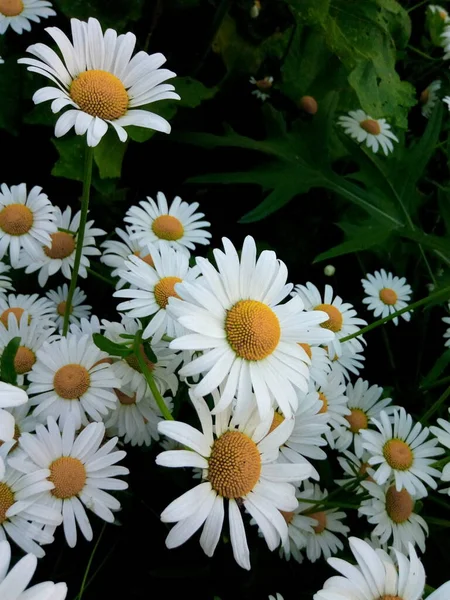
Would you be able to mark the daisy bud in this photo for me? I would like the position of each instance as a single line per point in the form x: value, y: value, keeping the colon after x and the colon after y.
x: 308, y: 104
x: 255, y: 9
x: 329, y: 270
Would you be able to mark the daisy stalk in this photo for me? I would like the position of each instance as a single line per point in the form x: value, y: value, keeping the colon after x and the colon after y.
x: 87, y: 179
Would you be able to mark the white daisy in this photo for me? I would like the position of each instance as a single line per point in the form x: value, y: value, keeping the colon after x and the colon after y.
x: 6, y: 284
x: 447, y: 331
x: 61, y: 253
x: 10, y: 397
x: 351, y: 360
x: 17, y: 14
x: 364, y: 403
x: 116, y: 253
x: 401, y: 452
x: 443, y: 435
x: 26, y: 221
x: 128, y: 370
x: 100, y: 81
x: 263, y: 86
x: 152, y: 288
x: 299, y: 525
x: 70, y: 378
x: 342, y: 319
x: 39, y: 309
x: 238, y: 465
x: 334, y: 405
x: 23, y: 423
x: 320, y: 366
x: 323, y: 539
x: 58, y: 298
x: 375, y: 133
x: 386, y: 294
x: 435, y: 8
x: 178, y: 224
x: 86, y: 327
x: 13, y: 585
x: 136, y: 422
x: 80, y: 469
x: 429, y: 97
x: 356, y: 470
x: 249, y: 340
x: 393, y: 514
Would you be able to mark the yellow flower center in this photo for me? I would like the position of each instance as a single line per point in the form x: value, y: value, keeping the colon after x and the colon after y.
x: 443, y: 14
x: 167, y: 227
x: 334, y: 321
x: 63, y: 244
x: 18, y: 312
x: 124, y: 399
x: 6, y: 501
x: 321, y: 519
x: 11, y: 8
x: 324, y: 408
x: 100, y: 94
x: 357, y: 420
x: 16, y: 219
x: 234, y: 465
x: 16, y: 436
x: 61, y: 308
x: 371, y: 126
x: 308, y: 104
x: 165, y: 289
x: 398, y: 454
x: 133, y: 361
x: 389, y: 597
x: 253, y: 329
x: 424, y: 96
x: 71, y: 381
x: 264, y: 84
x: 68, y: 475
x: 307, y: 349
x: 24, y: 360
x: 399, y: 505
x: 288, y: 515
x: 147, y: 259
x: 363, y: 470
x: 388, y: 296
x: 277, y: 420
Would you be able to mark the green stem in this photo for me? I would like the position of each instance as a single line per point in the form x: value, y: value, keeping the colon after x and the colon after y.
x: 150, y: 379
x: 440, y: 463
x: 444, y: 293
x: 88, y: 567
x: 167, y: 338
x: 87, y: 178
x: 101, y: 277
x: 420, y: 53
x: 436, y: 405
x: 388, y: 349
x: 417, y: 5
x: 438, y: 383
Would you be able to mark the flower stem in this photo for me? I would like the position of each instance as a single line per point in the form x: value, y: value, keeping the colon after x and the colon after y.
x: 444, y: 294
x: 87, y: 178
x: 101, y: 277
x: 434, y: 407
x: 88, y: 567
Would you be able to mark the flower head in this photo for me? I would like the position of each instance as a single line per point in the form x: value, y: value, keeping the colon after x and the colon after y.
x: 17, y: 14
x: 386, y: 294
x: 376, y: 133
x: 429, y: 97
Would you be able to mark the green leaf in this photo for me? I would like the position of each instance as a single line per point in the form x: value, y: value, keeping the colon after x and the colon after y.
x: 110, y: 14
x: 149, y: 353
x: 109, y: 155
x: 7, y: 370
x: 443, y: 195
x: 439, y: 366
x: 441, y: 245
x: 370, y: 235
x: 107, y: 345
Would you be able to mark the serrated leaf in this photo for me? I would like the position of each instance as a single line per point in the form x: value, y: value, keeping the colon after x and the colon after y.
x: 7, y: 370
x: 112, y: 348
x: 368, y: 237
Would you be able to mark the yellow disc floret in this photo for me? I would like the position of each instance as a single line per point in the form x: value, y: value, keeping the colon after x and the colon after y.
x: 16, y: 311
x: 165, y: 289
x: 24, y: 360
x: 68, y: 475
x: 398, y: 454
x: 100, y: 94
x: 371, y: 126
x: 16, y: 219
x: 71, y: 381
x: 357, y: 420
x: 6, y: 501
x: 399, y: 505
x: 63, y: 244
x: 334, y: 321
x: 388, y: 296
x: 11, y: 8
x: 321, y: 518
x: 167, y: 227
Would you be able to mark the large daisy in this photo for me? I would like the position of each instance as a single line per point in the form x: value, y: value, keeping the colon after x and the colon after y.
x: 26, y: 221
x: 178, y: 224
x: 386, y: 294
x: 38, y: 309
x: 238, y: 463
x: 248, y: 339
x: 79, y: 468
x: 101, y: 81
x: 78, y: 310
x: 17, y: 14
x: 376, y: 133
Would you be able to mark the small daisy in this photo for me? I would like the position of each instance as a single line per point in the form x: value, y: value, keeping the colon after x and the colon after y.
x: 80, y: 470
x: 320, y: 366
x: 13, y: 585
x: 393, y: 514
x: 402, y: 452
x: 26, y: 221
x: 446, y: 320
x: 100, y: 80
x: 70, y: 378
x: 38, y: 309
x: 58, y: 298
x: 60, y: 255
x: 86, y: 327
x: 435, y: 8
x: 238, y: 462
x: 364, y: 403
x: 443, y: 435
x: 323, y: 539
x: 6, y: 284
x: 351, y: 360
x: 10, y: 397
x: 249, y: 340
x: 152, y: 288
x: 263, y: 86
x: 356, y: 470
x: 17, y: 14
x: 136, y: 422
x: 334, y: 405
x: 386, y: 294
x: 375, y: 133
x: 342, y: 319
x: 178, y: 224
x: 429, y: 97
x: 128, y: 370
x: 116, y: 253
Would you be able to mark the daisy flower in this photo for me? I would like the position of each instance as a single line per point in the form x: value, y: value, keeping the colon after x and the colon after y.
x: 342, y: 319
x: 443, y: 435
x: 376, y: 133
x: 393, y: 514
x: 17, y: 14
x: 116, y: 253
x: 323, y: 539
x: 128, y: 370
x: 249, y: 340
x: 320, y: 366
x: 10, y: 397
x: 6, y: 284
x: 401, y: 453
x: 177, y: 225
x: 429, y: 97
x: 152, y: 288
x: 262, y: 87
x: 334, y: 405
x: 26, y: 221
x: 23, y: 423
x: 86, y: 327
x: 299, y: 526
x: 13, y: 585
x: 351, y: 360
x: 238, y: 463
x: 58, y: 298
x: 70, y: 378
x: 386, y: 294
x: 435, y: 8
x: 38, y: 309
x: 364, y: 403
x: 60, y: 255
x: 101, y: 81
x: 356, y: 470
x: 254, y: 13
x: 79, y: 468
x: 447, y: 332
